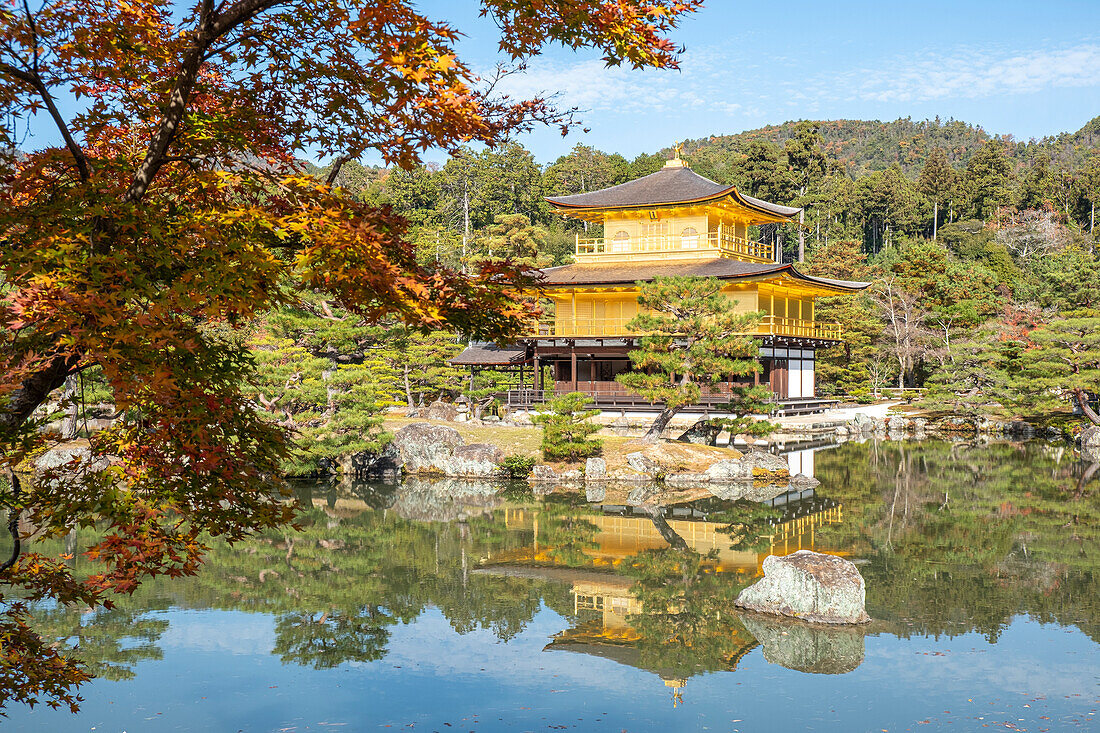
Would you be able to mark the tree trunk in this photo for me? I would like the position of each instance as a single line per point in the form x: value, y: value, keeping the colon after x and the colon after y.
x: 1086, y: 408
x: 33, y: 392
x: 408, y: 389
x: 70, y: 423
x: 668, y: 534
x: 801, y: 232
x: 658, y: 427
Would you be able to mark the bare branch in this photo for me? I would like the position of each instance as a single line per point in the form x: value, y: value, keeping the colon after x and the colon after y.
x: 32, y: 79
x: 13, y: 523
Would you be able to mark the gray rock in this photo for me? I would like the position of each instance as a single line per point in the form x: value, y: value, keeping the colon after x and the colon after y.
x: 442, y: 411
x: 65, y: 463
x: 425, y: 448
x: 802, y: 481
x: 805, y: 648
x: 385, y: 466
x: 760, y: 462
x: 595, y: 493
x: 701, y: 433
x: 542, y: 474
x: 897, y: 424
x: 61, y: 456
x: 727, y: 470
x: 687, y: 480
x: 809, y: 586
x: 1090, y: 437
x: 477, y: 460
x: 754, y: 464
x: 620, y: 426
x: 595, y: 469
x: 643, y: 464
x: 863, y: 423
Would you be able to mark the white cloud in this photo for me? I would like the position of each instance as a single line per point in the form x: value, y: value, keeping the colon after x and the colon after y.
x: 725, y: 79
x: 976, y: 73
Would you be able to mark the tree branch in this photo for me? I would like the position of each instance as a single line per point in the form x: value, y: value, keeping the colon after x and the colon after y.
x: 212, y: 26
x: 32, y: 80
x: 13, y: 523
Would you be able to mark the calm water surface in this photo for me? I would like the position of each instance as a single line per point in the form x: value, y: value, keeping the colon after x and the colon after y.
x: 452, y: 606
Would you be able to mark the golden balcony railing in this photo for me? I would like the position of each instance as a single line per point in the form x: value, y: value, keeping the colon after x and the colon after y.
x: 616, y: 327
x: 720, y: 243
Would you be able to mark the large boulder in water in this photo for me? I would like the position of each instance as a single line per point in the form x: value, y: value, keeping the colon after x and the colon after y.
x: 810, y: 586
x: 806, y: 648
x: 425, y: 448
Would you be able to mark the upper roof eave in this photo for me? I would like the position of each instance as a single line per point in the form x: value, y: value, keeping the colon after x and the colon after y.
x: 675, y: 186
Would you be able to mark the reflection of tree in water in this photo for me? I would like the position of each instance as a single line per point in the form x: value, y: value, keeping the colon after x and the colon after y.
x: 687, y: 624
x: 330, y: 639
x: 566, y: 531
x: 963, y: 537
x: 109, y: 641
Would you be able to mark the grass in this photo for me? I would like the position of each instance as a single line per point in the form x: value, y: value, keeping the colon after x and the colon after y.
x: 522, y: 440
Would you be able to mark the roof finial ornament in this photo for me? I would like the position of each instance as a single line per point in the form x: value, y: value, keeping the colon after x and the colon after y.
x: 676, y: 161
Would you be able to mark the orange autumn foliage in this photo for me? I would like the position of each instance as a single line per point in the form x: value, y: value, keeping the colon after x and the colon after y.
x: 174, y: 210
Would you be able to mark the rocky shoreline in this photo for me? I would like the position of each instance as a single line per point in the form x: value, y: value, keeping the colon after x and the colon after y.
x: 428, y: 449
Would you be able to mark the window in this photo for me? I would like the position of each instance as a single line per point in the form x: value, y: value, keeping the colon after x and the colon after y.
x: 689, y: 238
x: 621, y: 241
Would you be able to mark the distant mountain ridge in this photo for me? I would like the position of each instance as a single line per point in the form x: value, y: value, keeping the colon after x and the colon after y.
x: 863, y: 146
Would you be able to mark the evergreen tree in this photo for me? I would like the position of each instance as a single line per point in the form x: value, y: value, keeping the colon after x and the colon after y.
x: 567, y: 427
x: 977, y: 379
x: 987, y: 183
x: 1036, y: 189
x: 693, y: 336
x: 937, y: 181
x: 513, y: 238
x: 808, y: 166
x: 1062, y: 362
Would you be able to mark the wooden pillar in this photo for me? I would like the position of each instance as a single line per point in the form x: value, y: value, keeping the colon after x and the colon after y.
x: 573, y: 362
x: 536, y: 380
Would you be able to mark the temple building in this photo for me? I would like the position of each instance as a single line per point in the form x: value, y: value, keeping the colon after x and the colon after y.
x: 672, y: 222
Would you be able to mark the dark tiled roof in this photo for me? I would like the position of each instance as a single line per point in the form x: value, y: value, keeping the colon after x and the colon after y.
x: 719, y: 267
x: 675, y: 185
x: 486, y: 354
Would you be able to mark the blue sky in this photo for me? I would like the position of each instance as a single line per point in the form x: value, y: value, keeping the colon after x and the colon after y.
x: 1026, y: 68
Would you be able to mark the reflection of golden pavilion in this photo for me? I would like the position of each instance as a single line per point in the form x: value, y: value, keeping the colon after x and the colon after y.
x: 603, y: 602
x: 621, y: 536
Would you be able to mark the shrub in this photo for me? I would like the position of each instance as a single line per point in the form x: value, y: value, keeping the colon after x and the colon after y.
x: 566, y: 426
x: 517, y: 466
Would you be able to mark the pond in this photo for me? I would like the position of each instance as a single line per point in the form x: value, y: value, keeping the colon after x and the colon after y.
x: 451, y: 606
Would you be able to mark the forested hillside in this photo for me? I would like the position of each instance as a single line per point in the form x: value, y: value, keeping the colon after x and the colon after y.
x: 862, y: 146
x: 981, y: 250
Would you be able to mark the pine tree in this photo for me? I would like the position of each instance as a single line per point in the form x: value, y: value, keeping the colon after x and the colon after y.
x: 1062, y: 363
x: 694, y: 336
x: 567, y: 427
x: 808, y: 166
x: 937, y: 181
x: 987, y: 182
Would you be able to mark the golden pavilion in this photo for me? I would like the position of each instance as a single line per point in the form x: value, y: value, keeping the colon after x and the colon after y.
x: 672, y: 222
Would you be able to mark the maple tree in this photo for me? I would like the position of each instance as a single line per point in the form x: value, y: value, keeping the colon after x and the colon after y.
x: 175, y: 210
